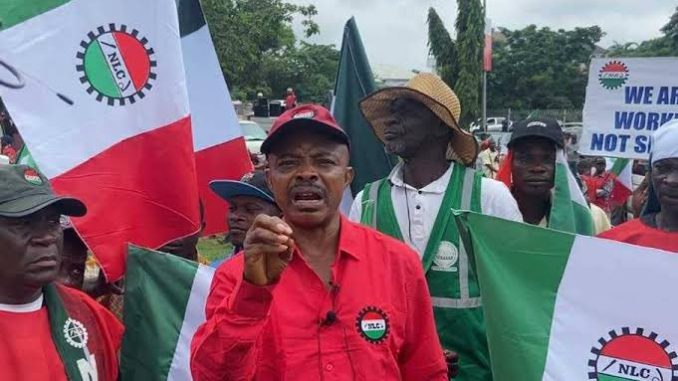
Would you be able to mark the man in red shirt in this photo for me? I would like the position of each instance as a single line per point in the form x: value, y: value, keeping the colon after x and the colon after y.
x: 658, y: 225
x: 315, y: 296
x: 47, y: 331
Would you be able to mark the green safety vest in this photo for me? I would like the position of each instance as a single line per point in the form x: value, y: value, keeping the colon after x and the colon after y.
x: 451, y: 281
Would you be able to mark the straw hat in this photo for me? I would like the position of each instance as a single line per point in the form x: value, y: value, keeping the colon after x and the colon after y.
x: 433, y: 93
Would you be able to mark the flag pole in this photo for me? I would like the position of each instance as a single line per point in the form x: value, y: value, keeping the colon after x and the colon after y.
x: 484, y: 73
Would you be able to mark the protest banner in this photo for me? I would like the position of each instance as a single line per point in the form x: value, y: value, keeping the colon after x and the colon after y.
x: 627, y: 99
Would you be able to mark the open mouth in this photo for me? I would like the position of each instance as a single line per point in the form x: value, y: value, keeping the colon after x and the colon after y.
x: 307, y: 198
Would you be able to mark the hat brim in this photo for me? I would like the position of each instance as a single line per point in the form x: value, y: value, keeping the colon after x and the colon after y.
x: 227, y: 189
x: 294, y: 124
x: 376, y: 110
x: 25, y: 206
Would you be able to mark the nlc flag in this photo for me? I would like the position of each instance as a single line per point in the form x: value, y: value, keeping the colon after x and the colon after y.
x: 105, y: 113
x: 565, y: 307
x: 220, y: 151
x: 165, y: 298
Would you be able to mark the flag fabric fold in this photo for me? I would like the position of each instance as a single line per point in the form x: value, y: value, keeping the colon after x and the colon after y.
x: 105, y: 113
x: 560, y: 306
x: 487, y: 49
x: 220, y: 151
x: 165, y: 298
x: 355, y: 81
x: 623, y: 187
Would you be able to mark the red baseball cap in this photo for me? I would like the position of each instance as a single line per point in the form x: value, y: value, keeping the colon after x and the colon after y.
x: 304, y: 116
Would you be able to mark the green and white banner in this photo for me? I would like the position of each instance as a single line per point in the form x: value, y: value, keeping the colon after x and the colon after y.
x: 165, y: 299
x: 566, y: 307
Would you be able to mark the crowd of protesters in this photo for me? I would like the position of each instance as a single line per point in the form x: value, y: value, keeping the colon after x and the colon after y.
x: 387, y: 262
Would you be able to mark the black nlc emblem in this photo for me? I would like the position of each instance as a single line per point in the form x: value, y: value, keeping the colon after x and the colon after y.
x: 116, y: 65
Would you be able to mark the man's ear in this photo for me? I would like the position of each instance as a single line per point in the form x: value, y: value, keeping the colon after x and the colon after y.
x: 350, y: 174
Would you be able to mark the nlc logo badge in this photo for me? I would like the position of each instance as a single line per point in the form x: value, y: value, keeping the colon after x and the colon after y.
x: 632, y: 356
x: 372, y: 324
x: 613, y: 75
x: 116, y: 65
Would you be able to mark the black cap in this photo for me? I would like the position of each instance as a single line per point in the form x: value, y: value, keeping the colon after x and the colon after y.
x: 24, y: 191
x: 538, y: 127
x: 252, y: 184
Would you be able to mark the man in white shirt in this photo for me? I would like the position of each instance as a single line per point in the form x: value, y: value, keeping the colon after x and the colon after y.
x: 418, y: 123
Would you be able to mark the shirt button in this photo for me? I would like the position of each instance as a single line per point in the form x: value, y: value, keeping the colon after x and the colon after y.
x: 420, y: 192
x: 418, y: 207
x: 329, y: 367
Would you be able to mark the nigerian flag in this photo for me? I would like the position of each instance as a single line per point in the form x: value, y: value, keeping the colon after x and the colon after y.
x: 560, y: 306
x: 165, y: 299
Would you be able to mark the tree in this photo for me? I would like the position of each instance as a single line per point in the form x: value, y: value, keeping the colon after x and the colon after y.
x: 442, y: 48
x: 665, y: 46
x: 247, y: 33
x: 670, y: 30
x: 470, y: 29
x: 541, y: 68
x: 459, y: 63
x: 310, y: 68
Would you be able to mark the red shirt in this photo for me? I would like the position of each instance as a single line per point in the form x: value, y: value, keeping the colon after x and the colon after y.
x: 638, y: 233
x: 290, y: 101
x: 27, y: 351
x: 376, y: 323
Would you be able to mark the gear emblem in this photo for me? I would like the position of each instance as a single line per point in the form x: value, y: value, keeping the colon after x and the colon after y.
x: 75, y: 333
x: 372, y: 324
x: 116, y: 65
x: 632, y: 355
x: 613, y: 75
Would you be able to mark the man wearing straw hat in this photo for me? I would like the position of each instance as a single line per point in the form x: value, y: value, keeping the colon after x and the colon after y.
x: 418, y: 123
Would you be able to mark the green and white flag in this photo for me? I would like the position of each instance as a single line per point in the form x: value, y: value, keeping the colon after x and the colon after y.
x: 165, y: 299
x: 567, y: 307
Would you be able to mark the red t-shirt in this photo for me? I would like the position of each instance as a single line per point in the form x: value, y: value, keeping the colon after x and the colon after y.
x: 290, y: 101
x: 27, y: 351
x: 376, y: 323
x: 638, y: 233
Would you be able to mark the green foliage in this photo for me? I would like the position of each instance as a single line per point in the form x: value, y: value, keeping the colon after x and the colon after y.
x: 665, y: 46
x: 470, y: 30
x: 443, y: 48
x: 310, y: 68
x: 459, y: 63
x: 541, y: 68
x: 670, y: 30
x: 257, y: 48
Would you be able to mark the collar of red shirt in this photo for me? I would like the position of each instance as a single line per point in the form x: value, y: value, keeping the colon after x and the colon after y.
x: 348, y: 239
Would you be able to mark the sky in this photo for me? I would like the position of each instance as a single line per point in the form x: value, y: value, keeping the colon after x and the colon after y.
x: 394, y: 32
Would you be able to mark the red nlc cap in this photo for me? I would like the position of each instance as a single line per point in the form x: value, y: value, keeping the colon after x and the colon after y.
x: 309, y: 116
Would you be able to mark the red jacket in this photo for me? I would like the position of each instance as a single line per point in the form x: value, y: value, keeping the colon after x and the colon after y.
x: 374, y: 323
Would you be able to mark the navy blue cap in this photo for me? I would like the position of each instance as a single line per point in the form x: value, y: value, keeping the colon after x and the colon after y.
x: 252, y: 184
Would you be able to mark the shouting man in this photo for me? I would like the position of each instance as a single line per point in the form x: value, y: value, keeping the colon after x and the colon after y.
x: 315, y: 296
x: 419, y: 123
x: 47, y: 331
